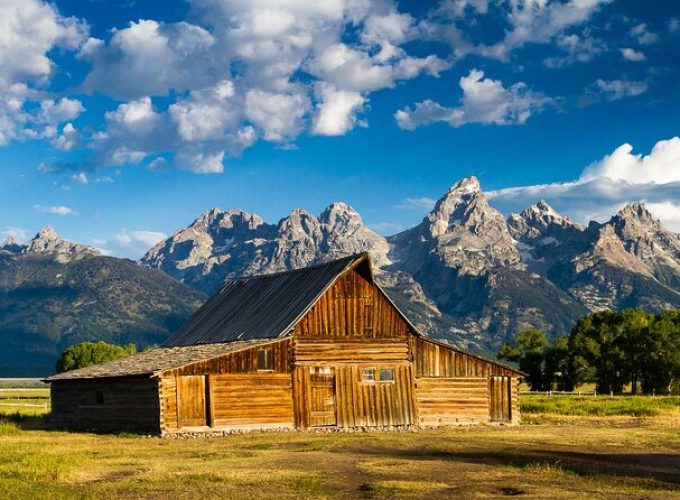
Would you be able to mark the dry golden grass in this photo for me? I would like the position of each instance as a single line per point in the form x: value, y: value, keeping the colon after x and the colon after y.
x: 556, y: 456
x: 560, y: 459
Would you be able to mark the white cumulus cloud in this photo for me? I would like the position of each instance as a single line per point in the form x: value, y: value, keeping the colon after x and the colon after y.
x: 150, y: 58
x: 131, y: 244
x: 29, y: 31
x: 540, y: 21
x: 610, y: 183
x: 613, y: 90
x: 336, y: 110
x: 630, y: 54
x: 660, y: 166
x: 54, y: 210
x: 423, y: 203
x: 484, y: 100
x: 243, y: 71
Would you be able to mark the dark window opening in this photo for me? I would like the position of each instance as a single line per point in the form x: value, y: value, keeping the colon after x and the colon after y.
x: 386, y: 374
x: 99, y: 397
x: 265, y: 359
x: 368, y: 320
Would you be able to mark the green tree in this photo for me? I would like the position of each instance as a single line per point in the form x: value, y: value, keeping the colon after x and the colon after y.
x: 636, y: 323
x: 91, y: 353
x: 559, y: 366
x: 659, y: 358
x: 598, y: 345
x: 528, y: 350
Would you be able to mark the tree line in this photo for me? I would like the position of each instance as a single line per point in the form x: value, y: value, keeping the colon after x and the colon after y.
x: 611, y: 349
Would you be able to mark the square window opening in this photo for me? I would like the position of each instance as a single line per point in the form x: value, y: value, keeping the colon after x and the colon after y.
x: 265, y: 360
x: 386, y: 374
x: 368, y: 375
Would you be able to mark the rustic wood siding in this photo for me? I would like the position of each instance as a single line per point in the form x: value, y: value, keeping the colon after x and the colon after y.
x: 319, y: 349
x: 168, y: 397
x: 192, y: 409
x: 352, y: 307
x: 127, y: 403
x: 452, y: 401
x: 516, y: 415
x: 240, y: 362
x: 251, y: 400
x: 360, y: 403
x: 435, y: 360
x: 239, y: 369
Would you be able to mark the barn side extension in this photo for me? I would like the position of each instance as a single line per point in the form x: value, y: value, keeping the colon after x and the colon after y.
x: 317, y: 347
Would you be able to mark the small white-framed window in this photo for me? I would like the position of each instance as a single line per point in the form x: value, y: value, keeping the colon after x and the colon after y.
x: 377, y: 375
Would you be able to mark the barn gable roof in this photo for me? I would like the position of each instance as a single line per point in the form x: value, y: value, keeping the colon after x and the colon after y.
x: 156, y: 361
x: 246, y: 312
x: 266, y: 306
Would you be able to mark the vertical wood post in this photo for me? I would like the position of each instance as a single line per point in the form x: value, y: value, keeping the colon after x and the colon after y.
x: 209, y: 402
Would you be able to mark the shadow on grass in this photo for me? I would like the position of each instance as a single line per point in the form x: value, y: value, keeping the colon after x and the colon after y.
x: 660, y: 467
x: 25, y: 421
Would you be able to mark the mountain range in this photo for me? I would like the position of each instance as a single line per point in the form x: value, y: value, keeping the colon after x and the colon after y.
x: 54, y: 293
x: 465, y: 274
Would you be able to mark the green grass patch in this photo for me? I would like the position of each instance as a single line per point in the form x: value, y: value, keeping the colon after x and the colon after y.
x: 25, y: 419
x: 549, y: 469
x: 309, y: 485
x: 9, y: 428
x: 599, y: 406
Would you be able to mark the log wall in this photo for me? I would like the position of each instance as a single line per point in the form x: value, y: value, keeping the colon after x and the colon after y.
x: 452, y: 401
x: 352, y: 307
x: 261, y: 399
x: 435, y: 360
x: 324, y: 349
x: 236, y: 393
x: 125, y: 403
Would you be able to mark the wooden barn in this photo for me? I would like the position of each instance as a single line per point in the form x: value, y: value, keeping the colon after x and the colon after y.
x: 322, y: 346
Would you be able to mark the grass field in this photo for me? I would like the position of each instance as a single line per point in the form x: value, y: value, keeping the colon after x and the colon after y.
x: 600, y: 406
x: 553, y: 455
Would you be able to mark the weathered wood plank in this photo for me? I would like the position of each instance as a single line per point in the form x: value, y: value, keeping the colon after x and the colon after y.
x: 440, y: 402
x: 341, y: 312
x: 130, y: 403
x: 435, y: 360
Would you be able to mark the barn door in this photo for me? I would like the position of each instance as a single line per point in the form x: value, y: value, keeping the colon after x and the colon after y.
x: 322, y: 397
x: 500, y: 395
x: 191, y: 401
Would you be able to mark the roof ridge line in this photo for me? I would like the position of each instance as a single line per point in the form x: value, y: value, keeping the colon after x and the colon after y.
x: 298, y: 269
x: 354, y: 262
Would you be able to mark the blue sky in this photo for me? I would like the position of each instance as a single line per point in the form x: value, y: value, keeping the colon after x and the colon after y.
x: 121, y: 121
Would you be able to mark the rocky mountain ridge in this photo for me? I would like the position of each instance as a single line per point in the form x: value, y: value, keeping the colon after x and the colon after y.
x: 54, y: 293
x: 465, y: 273
x: 221, y: 244
x: 47, y: 241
